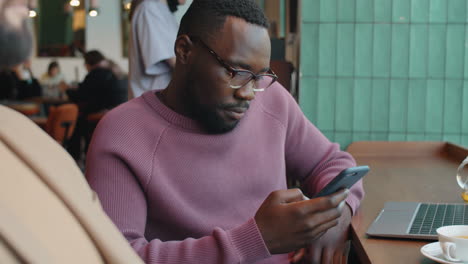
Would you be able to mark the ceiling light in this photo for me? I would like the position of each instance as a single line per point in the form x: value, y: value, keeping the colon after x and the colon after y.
x: 32, y: 13
x: 93, y: 12
x: 75, y: 3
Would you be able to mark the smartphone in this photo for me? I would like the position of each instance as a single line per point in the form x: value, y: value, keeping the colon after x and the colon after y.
x: 346, y: 179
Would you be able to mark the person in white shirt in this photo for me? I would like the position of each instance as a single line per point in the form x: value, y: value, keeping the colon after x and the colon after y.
x: 151, y: 50
x: 53, y: 81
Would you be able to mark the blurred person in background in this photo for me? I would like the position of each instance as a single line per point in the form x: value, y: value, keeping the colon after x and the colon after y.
x: 151, y: 51
x: 100, y: 91
x: 28, y: 85
x: 53, y: 81
x: 19, y: 83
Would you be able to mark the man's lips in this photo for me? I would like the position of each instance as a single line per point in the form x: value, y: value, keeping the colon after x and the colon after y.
x: 235, y: 112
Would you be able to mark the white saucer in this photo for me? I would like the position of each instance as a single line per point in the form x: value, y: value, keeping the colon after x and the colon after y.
x: 434, y: 252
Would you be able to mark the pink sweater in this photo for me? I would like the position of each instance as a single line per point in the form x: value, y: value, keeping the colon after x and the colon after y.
x: 181, y: 196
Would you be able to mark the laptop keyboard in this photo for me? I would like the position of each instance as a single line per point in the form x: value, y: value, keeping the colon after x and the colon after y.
x: 429, y: 217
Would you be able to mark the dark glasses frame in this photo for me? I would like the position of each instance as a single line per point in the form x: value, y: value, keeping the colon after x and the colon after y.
x: 235, y: 71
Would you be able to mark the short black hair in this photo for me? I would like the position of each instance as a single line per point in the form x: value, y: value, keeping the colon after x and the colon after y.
x: 205, y: 17
x: 53, y: 64
x: 93, y: 57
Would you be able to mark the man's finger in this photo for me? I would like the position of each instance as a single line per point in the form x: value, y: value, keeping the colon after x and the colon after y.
x: 287, y: 196
x: 297, y: 256
x: 346, y: 250
x: 315, y: 254
x: 328, y: 255
x: 326, y: 202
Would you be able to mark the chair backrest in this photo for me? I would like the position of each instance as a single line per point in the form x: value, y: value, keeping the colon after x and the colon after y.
x: 61, y: 122
x: 283, y: 69
x: 48, y: 212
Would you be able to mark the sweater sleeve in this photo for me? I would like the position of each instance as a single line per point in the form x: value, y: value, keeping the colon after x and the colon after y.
x: 312, y: 159
x: 123, y: 197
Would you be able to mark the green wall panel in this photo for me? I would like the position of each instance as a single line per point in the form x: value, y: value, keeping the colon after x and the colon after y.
x: 398, y: 106
x: 385, y: 69
x: 400, y: 40
x: 313, y: 11
x: 364, y: 10
x: 438, y: 11
x: 416, y: 106
x: 465, y: 108
x: 310, y: 50
x: 380, y: 104
x: 419, y: 11
x: 382, y: 50
x: 453, y: 106
x: 418, y: 51
x: 326, y: 103
x: 435, y: 106
x: 456, y: 12
x: 327, y: 49
x: 328, y: 11
x: 358, y: 136
x: 455, y: 51
x: 345, y: 50
x: 401, y: 11
x: 346, y: 10
x: 309, y: 93
x: 437, y: 43
x: 362, y: 105
x: 363, y: 47
x: 382, y: 10
x: 344, y: 98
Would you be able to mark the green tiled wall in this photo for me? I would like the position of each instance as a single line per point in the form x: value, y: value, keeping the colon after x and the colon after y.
x: 385, y: 69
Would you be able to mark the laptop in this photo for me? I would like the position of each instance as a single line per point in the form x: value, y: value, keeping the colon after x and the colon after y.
x: 416, y: 220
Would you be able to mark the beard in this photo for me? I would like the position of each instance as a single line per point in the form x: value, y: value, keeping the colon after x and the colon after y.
x: 207, y: 115
x: 15, y: 45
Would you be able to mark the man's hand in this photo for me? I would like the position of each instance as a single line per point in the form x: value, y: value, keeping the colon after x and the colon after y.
x: 332, y: 246
x: 288, y: 222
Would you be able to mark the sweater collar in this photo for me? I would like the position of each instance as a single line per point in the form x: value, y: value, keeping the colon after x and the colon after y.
x: 179, y: 120
x: 170, y: 115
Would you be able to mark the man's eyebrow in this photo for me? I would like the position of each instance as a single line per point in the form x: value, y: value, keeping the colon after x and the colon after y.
x: 237, y: 64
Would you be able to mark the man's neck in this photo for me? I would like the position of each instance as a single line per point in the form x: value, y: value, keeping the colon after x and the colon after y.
x: 171, y: 97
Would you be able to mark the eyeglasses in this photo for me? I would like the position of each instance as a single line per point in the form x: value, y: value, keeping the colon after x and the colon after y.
x: 240, y: 78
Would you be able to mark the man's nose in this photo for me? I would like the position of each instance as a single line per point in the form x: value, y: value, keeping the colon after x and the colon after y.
x: 246, y: 92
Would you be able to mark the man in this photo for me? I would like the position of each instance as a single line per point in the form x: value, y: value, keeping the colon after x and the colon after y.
x: 99, y: 91
x: 151, y: 50
x: 196, y: 173
x: 48, y: 212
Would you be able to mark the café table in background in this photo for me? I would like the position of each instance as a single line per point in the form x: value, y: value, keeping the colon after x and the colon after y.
x: 402, y: 171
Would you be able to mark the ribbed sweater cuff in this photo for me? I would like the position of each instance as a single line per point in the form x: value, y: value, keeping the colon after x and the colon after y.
x: 248, y: 242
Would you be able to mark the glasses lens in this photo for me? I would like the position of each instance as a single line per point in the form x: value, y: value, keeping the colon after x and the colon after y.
x: 262, y: 82
x: 240, y: 79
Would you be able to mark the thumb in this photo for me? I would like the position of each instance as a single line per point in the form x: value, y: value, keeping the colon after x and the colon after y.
x: 290, y: 196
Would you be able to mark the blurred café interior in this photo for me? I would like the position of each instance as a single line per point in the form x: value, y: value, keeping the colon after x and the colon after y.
x: 386, y: 79
x: 64, y: 31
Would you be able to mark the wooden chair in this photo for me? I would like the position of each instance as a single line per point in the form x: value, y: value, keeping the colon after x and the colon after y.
x: 61, y: 122
x: 283, y: 69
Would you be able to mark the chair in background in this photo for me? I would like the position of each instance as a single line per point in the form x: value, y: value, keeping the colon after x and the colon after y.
x: 283, y: 70
x: 61, y: 122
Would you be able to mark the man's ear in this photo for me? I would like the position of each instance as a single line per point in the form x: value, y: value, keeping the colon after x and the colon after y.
x: 183, y: 48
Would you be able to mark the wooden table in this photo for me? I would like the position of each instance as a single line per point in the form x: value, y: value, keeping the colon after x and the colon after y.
x: 48, y: 100
x: 402, y: 171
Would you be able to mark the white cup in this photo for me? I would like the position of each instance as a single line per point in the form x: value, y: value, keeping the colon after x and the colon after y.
x: 454, y: 242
